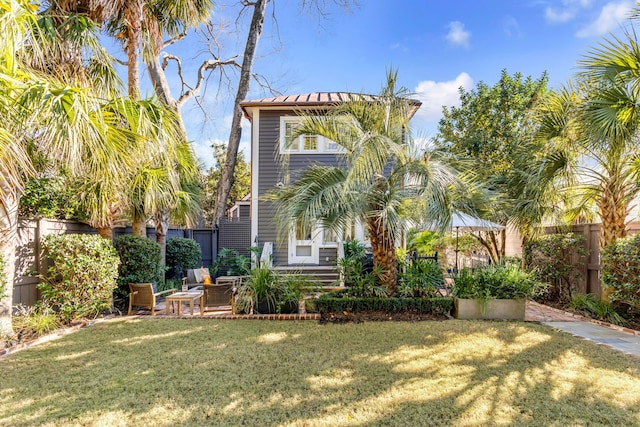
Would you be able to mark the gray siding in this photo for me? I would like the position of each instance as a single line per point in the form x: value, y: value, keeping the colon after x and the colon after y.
x: 271, y: 171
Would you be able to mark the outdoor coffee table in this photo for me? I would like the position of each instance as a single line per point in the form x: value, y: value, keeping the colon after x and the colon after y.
x: 190, y: 296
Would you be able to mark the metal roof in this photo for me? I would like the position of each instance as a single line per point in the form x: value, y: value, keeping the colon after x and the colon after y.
x: 314, y: 99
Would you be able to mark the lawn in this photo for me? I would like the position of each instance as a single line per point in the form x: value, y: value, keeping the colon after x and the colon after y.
x: 167, y: 372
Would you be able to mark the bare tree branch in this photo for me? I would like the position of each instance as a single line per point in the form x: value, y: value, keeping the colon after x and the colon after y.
x: 172, y: 40
x: 208, y: 65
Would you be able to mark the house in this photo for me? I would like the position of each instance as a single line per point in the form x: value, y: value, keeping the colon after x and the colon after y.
x: 276, y: 156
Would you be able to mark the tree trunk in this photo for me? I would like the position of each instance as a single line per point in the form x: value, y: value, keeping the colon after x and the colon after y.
x: 226, y: 180
x: 162, y: 226
x: 613, y: 210
x: 139, y: 225
x: 133, y: 20
x: 105, y: 232
x: 163, y: 91
x: 8, y: 236
x: 384, y: 254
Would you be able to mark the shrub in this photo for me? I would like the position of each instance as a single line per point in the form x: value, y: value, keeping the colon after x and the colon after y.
x: 32, y: 322
x: 139, y: 260
x: 591, y: 307
x: 358, y: 271
x: 82, y: 277
x: 139, y: 263
x: 621, y: 271
x: 268, y: 291
x: 421, y: 278
x: 337, y: 302
x: 182, y: 254
x: 557, y: 259
x: 230, y: 263
x: 499, y: 282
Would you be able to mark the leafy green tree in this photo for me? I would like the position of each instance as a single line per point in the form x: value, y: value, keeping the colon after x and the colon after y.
x: 382, y: 175
x: 485, y: 135
x: 240, y: 188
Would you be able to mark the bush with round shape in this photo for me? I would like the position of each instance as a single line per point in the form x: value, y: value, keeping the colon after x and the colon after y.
x: 82, y: 276
x: 139, y: 261
x: 182, y: 254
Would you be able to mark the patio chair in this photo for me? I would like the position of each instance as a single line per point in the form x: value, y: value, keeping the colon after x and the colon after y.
x: 142, y: 295
x: 221, y: 294
x: 195, y: 277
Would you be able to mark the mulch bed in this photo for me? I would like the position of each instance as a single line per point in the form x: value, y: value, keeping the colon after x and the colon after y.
x: 376, y: 316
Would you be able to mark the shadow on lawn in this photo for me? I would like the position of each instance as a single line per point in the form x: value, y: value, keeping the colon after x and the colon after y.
x: 204, y: 372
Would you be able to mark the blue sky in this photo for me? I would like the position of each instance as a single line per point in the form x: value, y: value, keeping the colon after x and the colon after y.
x: 437, y: 46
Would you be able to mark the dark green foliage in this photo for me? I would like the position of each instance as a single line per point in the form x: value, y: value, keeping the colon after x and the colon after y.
x: 355, y: 271
x: 268, y: 291
x: 82, y: 277
x: 557, y: 259
x: 140, y: 261
x: 230, y: 263
x: 499, y: 282
x: 182, y: 254
x: 594, y: 308
x: 621, y: 271
x: 341, y: 302
x: 50, y: 197
x: 421, y: 278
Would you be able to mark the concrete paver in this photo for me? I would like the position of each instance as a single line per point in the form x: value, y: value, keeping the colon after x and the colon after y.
x: 619, y: 340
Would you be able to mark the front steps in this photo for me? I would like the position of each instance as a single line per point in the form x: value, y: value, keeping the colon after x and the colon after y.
x: 327, y: 277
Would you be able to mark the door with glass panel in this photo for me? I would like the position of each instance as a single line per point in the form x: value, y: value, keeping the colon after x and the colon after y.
x: 303, y: 248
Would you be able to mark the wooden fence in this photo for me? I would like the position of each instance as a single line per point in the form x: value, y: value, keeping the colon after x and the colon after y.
x: 591, y: 267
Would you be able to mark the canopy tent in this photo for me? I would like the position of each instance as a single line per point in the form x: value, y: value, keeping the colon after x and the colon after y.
x: 465, y: 222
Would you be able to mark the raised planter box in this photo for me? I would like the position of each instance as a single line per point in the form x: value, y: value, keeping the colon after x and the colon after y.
x: 472, y: 309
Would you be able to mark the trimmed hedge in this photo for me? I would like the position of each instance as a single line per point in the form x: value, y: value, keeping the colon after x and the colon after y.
x: 337, y: 303
x: 182, y: 254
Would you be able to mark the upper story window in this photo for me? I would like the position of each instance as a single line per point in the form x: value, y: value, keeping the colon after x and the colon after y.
x: 291, y: 144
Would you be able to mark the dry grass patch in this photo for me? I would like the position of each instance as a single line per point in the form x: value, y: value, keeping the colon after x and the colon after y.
x: 206, y: 372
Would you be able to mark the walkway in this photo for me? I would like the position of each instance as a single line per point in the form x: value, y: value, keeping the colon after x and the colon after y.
x: 618, y: 338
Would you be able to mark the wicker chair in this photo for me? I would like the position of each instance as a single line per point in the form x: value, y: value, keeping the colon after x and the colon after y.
x: 142, y: 295
x: 221, y: 294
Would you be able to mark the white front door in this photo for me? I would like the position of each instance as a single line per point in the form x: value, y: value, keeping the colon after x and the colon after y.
x: 303, y: 247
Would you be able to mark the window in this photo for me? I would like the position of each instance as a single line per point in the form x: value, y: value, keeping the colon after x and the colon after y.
x: 303, y: 143
x: 329, y: 237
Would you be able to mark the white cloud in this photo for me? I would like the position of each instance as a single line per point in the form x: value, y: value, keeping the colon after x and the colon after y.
x: 204, y: 152
x: 556, y: 16
x: 511, y: 27
x: 457, y: 35
x: 568, y: 11
x: 435, y: 95
x: 612, y: 16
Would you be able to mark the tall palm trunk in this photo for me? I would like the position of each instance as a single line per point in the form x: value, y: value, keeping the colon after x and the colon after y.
x: 139, y: 225
x: 133, y: 18
x: 384, y: 254
x: 8, y: 235
x: 613, y: 210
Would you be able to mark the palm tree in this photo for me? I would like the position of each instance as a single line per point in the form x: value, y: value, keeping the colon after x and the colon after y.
x: 597, y: 118
x: 382, y: 177
x: 70, y: 125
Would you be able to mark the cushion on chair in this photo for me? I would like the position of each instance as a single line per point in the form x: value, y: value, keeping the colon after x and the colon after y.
x: 197, y: 273
x: 204, y: 272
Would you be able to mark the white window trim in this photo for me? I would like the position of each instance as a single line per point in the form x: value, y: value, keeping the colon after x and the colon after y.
x: 322, y: 142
